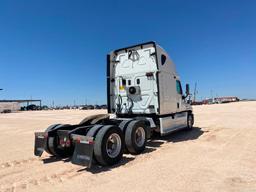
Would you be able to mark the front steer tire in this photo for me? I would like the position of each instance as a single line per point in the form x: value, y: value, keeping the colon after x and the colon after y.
x: 190, y: 121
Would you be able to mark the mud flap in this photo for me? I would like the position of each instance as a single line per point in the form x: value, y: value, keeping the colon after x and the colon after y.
x: 40, y: 143
x: 83, y: 153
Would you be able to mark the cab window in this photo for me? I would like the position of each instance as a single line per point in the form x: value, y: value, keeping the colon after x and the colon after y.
x: 178, y: 87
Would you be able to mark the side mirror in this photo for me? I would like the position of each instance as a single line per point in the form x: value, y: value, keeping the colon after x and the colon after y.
x: 187, y: 90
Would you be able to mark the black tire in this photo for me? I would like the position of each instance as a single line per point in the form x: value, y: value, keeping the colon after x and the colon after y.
x: 94, y: 130
x: 123, y: 125
x: 93, y: 119
x: 92, y: 133
x: 190, y: 121
x: 53, y: 145
x: 101, y: 142
x: 51, y: 127
x: 46, y: 131
x: 133, y: 146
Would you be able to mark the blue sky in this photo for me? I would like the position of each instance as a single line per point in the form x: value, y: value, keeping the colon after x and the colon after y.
x: 56, y: 49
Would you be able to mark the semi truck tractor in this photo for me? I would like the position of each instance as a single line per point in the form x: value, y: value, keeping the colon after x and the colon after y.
x: 144, y: 96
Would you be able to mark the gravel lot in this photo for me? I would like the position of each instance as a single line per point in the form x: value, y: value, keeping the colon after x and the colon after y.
x: 218, y: 155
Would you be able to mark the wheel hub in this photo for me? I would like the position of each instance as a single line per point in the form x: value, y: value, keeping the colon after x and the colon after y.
x: 140, y: 136
x: 113, y: 145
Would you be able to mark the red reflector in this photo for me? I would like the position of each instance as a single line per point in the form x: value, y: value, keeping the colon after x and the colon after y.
x: 91, y: 142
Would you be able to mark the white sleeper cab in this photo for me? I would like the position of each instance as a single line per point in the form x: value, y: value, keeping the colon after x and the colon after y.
x: 145, y: 95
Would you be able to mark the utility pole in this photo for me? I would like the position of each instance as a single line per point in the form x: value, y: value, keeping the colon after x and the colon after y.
x: 195, y: 92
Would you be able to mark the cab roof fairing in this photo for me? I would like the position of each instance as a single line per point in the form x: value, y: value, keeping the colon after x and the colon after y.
x: 134, y: 47
x: 113, y: 54
x: 169, y: 66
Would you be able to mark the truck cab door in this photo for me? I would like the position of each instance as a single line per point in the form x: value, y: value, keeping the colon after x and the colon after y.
x: 179, y: 100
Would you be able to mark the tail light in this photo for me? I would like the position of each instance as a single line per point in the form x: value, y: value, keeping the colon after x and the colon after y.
x: 62, y: 142
x: 78, y: 139
x: 68, y: 143
x: 91, y: 142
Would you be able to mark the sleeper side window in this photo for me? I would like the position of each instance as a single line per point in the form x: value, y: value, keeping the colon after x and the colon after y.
x: 178, y: 87
x: 163, y: 59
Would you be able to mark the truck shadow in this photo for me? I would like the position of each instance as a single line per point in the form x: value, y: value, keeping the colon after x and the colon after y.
x: 99, y: 169
x: 178, y: 136
x: 152, y: 145
x: 53, y: 159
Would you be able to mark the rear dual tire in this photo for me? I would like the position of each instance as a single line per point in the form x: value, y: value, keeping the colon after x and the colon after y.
x: 136, y: 137
x: 108, y: 145
x: 47, y: 142
x: 53, y: 144
x: 123, y: 126
x: 110, y: 142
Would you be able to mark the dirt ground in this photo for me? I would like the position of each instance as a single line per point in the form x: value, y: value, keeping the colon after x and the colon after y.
x: 218, y: 155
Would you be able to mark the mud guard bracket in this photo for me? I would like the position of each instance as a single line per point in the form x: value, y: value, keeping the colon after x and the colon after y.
x: 83, y: 153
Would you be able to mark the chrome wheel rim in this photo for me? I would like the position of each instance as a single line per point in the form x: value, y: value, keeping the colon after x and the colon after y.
x: 140, y: 136
x: 113, y: 145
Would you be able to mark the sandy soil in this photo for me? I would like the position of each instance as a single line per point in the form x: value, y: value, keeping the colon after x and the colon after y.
x: 218, y: 155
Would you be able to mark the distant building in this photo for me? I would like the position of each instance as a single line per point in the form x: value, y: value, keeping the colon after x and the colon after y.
x: 14, y: 105
x: 207, y: 101
x: 216, y: 100
x: 226, y: 99
x: 9, y: 106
